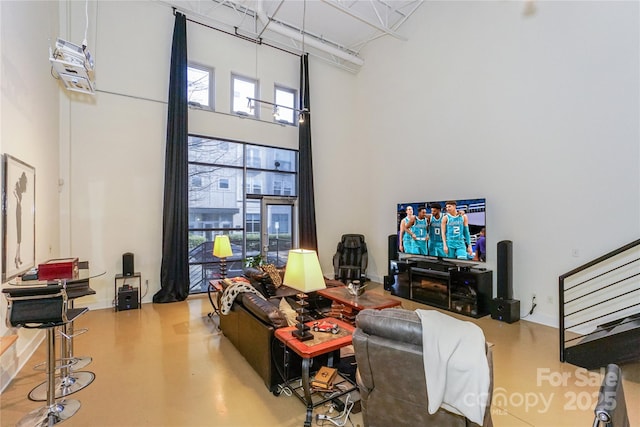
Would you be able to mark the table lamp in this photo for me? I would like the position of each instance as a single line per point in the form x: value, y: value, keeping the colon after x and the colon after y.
x: 304, y: 274
x: 222, y: 250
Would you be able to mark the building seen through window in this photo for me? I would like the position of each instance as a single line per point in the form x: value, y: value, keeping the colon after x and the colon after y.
x: 225, y: 178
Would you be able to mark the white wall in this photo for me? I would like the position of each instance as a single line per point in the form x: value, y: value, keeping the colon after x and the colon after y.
x: 29, y: 126
x: 539, y: 114
x: 117, y: 141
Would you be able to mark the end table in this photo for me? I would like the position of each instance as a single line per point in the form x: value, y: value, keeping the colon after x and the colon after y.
x: 322, y: 343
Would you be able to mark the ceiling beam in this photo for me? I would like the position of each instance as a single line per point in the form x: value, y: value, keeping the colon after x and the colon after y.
x: 362, y: 19
x: 295, y: 35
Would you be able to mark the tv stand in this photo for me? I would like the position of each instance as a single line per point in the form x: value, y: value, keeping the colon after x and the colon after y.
x: 445, y: 284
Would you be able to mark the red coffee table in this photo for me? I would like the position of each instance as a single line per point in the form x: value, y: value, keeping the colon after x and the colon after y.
x: 353, y: 304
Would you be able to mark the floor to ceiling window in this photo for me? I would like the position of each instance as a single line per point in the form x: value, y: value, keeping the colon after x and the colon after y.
x: 228, y: 184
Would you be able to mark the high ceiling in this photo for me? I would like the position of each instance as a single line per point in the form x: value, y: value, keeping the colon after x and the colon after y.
x: 334, y: 30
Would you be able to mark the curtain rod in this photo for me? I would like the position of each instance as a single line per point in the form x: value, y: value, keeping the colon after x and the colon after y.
x: 257, y: 41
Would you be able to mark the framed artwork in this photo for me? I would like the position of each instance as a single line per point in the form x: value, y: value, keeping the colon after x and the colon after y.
x: 18, y: 217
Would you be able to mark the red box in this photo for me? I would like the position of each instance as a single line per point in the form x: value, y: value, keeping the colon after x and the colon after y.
x: 62, y: 268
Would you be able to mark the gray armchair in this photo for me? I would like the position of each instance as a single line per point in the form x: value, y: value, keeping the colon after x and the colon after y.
x: 393, y: 389
x: 611, y: 409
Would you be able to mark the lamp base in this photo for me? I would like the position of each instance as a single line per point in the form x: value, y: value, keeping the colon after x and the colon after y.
x: 223, y: 268
x: 302, y: 331
x: 302, y: 334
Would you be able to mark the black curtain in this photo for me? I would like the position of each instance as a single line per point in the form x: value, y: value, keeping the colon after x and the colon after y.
x: 174, y: 271
x: 306, y: 202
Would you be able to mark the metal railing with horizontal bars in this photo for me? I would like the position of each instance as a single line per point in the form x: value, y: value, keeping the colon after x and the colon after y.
x: 600, y: 310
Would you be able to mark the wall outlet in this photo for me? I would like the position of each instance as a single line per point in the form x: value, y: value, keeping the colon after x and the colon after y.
x: 575, y: 252
x: 550, y: 300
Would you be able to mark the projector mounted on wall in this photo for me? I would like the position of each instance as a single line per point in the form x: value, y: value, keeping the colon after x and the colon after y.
x: 74, y: 66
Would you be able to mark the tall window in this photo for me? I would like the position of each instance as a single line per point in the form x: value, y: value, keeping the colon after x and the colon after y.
x: 221, y: 175
x: 200, y: 86
x: 243, y: 88
x: 285, y: 98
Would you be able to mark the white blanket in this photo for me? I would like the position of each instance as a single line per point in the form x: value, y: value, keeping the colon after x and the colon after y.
x: 232, y: 291
x: 455, y: 365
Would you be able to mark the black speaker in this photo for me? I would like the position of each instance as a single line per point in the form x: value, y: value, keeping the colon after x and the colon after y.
x: 127, y: 264
x: 392, y: 249
x: 127, y: 298
x: 505, y: 270
x: 505, y: 310
x: 389, y: 281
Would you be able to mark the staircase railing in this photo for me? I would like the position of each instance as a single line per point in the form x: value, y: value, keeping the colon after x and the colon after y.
x: 598, y: 293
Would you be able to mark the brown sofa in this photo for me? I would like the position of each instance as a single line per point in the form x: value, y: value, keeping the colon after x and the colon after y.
x: 250, y: 327
x: 390, y: 375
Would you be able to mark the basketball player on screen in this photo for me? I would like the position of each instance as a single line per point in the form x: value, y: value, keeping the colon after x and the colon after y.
x: 456, y: 240
x: 407, y: 236
x: 419, y: 228
x: 435, y: 231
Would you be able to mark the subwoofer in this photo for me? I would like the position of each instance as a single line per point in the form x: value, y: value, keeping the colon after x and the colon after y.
x: 505, y: 269
x: 127, y: 298
x: 505, y: 310
x: 127, y: 264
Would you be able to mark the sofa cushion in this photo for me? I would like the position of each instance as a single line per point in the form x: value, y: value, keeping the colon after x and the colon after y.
x: 264, y: 310
x: 254, y: 273
x: 261, y: 281
x: 288, y: 311
x: 274, y: 274
x: 232, y: 291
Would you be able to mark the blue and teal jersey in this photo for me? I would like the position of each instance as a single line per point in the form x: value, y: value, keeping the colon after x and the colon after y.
x: 420, y: 228
x: 407, y: 240
x: 435, y: 232
x: 455, y: 230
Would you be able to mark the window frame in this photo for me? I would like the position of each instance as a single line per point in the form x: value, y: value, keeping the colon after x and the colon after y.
x: 212, y: 86
x: 256, y: 91
x: 224, y: 185
x: 278, y: 87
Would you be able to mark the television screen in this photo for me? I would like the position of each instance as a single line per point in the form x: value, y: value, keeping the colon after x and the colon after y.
x: 443, y: 229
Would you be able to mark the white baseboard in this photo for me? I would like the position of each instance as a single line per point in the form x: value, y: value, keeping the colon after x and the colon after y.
x: 542, y: 319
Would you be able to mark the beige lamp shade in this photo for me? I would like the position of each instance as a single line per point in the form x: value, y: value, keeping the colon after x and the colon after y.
x: 222, y: 246
x: 303, y: 271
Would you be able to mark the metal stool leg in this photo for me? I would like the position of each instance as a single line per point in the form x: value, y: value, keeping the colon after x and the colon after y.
x: 55, y: 411
x: 79, y: 362
x: 69, y: 381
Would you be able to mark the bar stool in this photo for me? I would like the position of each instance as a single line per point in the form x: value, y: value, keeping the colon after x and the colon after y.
x: 44, y: 307
x: 84, y: 290
x: 71, y: 379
